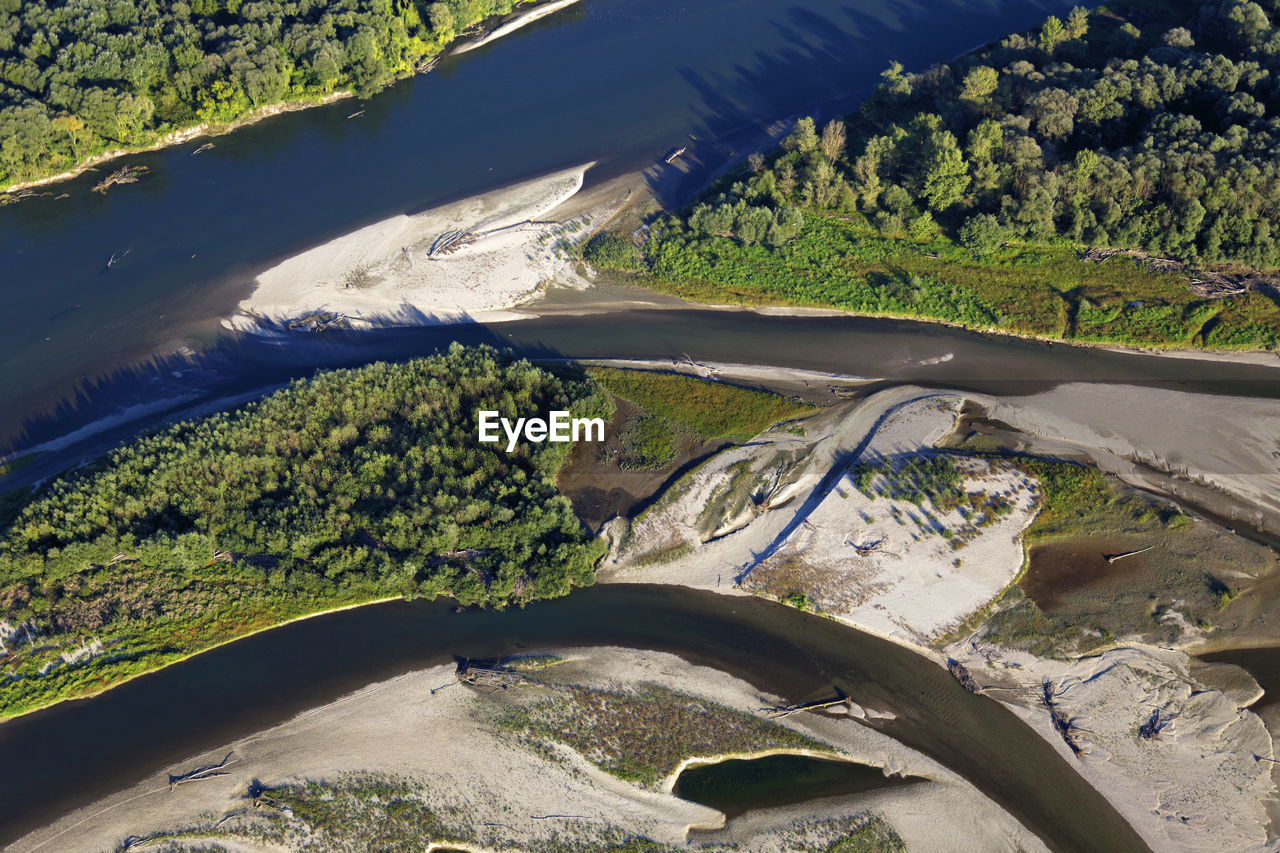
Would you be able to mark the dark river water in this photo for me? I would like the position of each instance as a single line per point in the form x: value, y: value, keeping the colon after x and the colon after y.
x: 740, y: 785
x: 620, y: 82
x: 895, y: 351
x: 75, y: 752
x: 616, y: 81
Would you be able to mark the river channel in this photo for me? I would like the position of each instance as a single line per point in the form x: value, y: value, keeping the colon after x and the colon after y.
x: 76, y: 752
x: 620, y: 82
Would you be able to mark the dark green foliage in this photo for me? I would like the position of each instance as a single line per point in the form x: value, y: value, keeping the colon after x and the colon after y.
x: 960, y: 190
x: 86, y: 76
x: 914, y: 479
x: 356, y: 485
x: 612, y: 251
x: 1162, y: 136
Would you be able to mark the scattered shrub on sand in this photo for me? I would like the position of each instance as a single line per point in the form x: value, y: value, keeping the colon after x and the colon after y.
x: 643, y: 736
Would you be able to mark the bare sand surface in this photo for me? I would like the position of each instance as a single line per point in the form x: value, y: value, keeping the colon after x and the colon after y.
x: 448, y: 741
x: 784, y: 511
x: 1197, y: 785
x: 485, y: 252
x: 1200, y: 783
x: 1228, y: 443
x: 515, y: 24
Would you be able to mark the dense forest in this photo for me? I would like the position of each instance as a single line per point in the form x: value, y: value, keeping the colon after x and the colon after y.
x: 1138, y: 126
x: 357, y: 485
x: 84, y: 76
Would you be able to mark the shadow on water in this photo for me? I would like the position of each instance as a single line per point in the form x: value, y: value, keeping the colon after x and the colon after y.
x: 140, y: 729
x: 235, y: 366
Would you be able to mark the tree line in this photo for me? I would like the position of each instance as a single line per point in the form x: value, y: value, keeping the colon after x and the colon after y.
x: 84, y: 76
x: 1130, y: 126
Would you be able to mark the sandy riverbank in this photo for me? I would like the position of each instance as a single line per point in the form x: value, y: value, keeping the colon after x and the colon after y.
x: 798, y: 523
x: 447, y: 740
x: 445, y: 264
x: 514, y: 24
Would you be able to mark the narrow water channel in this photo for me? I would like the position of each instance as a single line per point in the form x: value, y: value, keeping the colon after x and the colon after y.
x: 138, y: 729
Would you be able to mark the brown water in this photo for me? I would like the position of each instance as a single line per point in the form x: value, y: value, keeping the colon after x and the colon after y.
x: 1058, y: 569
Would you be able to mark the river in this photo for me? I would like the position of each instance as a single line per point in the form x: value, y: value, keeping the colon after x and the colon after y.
x: 76, y: 752
x: 616, y: 81
x: 620, y: 82
x: 894, y: 351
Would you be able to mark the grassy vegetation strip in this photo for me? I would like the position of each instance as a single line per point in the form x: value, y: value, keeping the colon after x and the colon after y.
x: 354, y: 486
x: 713, y: 410
x: 841, y: 261
x: 644, y: 736
x: 359, y: 812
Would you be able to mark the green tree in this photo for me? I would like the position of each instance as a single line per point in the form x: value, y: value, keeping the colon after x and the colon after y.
x: 947, y: 175
x: 1077, y: 26
x: 979, y: 83
x: 981, y: 234
x: 803, y: 139
x: 895, y: 81
x: 1052, y: 34
x: 442, y: 20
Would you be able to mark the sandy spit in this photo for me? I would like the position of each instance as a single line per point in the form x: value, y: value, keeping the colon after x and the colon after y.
x: 515, y: 24
x: 1192, y: 788
x: 445, y: 264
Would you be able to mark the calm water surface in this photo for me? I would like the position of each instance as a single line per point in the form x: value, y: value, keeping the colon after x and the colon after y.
x: 740, y: 785
x: 616, y: 81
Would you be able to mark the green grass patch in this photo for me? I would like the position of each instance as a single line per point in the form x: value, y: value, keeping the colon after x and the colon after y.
x: 1070, y: 601
x: 839, y: 261
x: 647, y: 444
x: 712, y: 410
x: 642, y: 736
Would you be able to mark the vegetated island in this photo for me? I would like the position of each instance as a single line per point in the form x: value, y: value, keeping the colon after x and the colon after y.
x: 356, y: 486
x: 87, y: 81
x: 1107, y: 178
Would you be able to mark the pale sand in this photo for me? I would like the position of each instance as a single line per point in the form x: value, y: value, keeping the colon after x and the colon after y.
x: 383, y: 273
x: 515, y: 24
x: 1229, y: 443
x: 812, y: 518
x: 447, y: 740
x: 1198, y: 786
